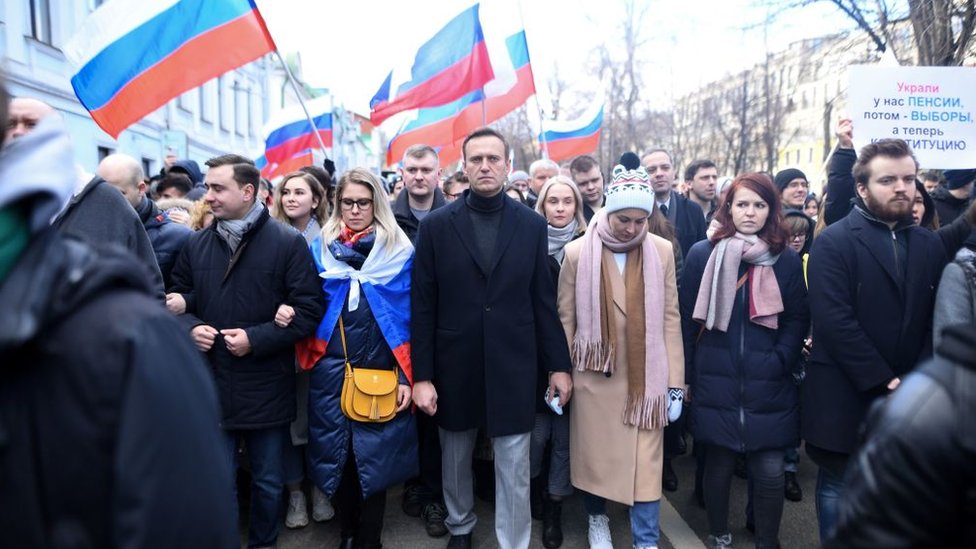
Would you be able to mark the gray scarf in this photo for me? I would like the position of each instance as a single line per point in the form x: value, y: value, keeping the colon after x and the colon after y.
x: 233, y: 230
x: 558, y: 238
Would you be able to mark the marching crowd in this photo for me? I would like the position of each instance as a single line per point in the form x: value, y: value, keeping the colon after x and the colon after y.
x: 514, y: 336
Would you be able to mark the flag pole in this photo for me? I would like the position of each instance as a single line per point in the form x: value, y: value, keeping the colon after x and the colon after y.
x: 538, y: 105
x: 298, y: 94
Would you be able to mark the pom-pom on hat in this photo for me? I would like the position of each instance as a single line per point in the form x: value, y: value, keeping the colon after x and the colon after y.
x: 629, y: 189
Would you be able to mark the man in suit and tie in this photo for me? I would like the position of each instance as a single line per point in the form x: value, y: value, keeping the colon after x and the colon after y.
x: 480, y: 334
x: 687, y: 217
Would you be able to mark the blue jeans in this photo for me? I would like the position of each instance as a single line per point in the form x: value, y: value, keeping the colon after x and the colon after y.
x: 264, y: 449
x: 644, y: 518
x: 830, y: 490
x: 791, y: 460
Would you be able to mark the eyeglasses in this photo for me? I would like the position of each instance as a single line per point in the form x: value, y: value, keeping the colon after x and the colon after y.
x: 363, y: 203
x: 799, y: 236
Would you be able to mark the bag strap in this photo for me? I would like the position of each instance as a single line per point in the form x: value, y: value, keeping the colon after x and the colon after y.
x: 345, y: 352
x: 738, y: 286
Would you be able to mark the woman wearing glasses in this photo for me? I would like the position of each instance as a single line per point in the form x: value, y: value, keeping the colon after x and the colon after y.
x: 365, y: 260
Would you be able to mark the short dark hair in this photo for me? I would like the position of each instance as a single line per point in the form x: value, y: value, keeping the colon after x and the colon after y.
x: 174, y: 180
x: 486, y: 132
x: 582, y: 163
x: 692, y: 170
x: 658, y: 150
x: 244, y: 171
x: 226, y: 159
x: 892, y: 148
x: 320, y: 174
x: 933, y: 175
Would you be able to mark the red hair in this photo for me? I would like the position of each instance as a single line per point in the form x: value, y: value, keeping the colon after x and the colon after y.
x: 772, y: 232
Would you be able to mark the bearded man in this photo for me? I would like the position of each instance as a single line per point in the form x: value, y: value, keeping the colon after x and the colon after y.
x: 872, y: 279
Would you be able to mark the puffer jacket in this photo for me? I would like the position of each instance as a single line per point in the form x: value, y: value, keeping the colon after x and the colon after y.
x: 167, y: 238
x: 741, y: 380
x: 385, y: 453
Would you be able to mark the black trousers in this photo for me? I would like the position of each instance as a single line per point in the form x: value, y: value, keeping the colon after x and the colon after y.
x: 766, y: 474
x: 359, y: 518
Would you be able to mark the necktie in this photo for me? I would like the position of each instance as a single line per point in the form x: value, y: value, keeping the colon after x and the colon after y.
x: 664, y: 209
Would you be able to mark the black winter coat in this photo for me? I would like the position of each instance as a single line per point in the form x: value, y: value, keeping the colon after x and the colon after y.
x: 272, y: 266
x: 913, y: 482
x: 99, y: 215
x: 742, y: 380
x: 948, y: 206
x: 478, y: 331
x: 871, y: 323
x: 108, y: 418
x: 688, y: 220
x: 404, y: 216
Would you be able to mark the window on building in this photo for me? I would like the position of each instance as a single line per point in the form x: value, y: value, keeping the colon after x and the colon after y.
x: 103, y: 152
x: 147, y: 166
x: 240, y: 108
x: 810, y: 156
x: 222, y: 110
x: 40, y: 12
x: 205, y: 94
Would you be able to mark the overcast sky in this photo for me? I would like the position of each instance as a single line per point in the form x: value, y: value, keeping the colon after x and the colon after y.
x: 349, y: 47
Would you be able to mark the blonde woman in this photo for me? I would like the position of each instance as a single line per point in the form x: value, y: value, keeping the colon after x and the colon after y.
x: 365, y: 261
x: 561, y: 204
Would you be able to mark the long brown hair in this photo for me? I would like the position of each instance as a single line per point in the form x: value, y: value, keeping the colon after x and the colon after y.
x: 319, y: 213
x: 772, y: 232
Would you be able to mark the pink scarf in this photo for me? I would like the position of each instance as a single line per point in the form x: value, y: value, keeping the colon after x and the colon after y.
x: 716, y: 295
x: 594, y: 345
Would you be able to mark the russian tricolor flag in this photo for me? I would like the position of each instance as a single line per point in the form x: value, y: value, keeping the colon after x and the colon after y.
x: 443, y: 127
x: 289, y: 138
x: 452, y: 63
x: 133, y: 56
x: 569, y: 139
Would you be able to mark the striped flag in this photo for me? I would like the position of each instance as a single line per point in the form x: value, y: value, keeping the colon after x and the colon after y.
x: 452, y: 63
x: 132, y: 56
x: 572, y: 138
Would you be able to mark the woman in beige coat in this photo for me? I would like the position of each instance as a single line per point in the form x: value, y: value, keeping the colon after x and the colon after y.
x: 618, y: 303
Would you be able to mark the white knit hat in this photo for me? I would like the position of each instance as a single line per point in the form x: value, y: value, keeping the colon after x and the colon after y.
x: 629, y: 189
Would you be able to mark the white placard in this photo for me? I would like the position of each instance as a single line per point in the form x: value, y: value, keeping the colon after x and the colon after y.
x: 932, y: 108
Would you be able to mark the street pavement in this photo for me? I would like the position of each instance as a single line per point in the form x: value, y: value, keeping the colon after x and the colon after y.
x: 683, y: 523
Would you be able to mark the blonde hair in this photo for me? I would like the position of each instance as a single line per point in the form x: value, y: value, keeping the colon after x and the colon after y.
x: 577, y: 197
x: 387, y: 230
x: 198, y: 214
x: 318, y: 213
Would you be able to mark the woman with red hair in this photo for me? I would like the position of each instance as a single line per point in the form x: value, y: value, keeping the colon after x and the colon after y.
x: 744, y: 316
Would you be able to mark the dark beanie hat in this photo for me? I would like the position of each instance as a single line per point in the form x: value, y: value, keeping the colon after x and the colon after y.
x: 784, y: 177
x: 959, y: 178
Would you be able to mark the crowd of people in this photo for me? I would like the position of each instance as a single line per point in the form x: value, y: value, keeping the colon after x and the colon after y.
x: 520, y: 336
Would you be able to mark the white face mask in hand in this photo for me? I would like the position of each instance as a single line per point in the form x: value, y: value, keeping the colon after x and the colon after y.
x: 676, y: 398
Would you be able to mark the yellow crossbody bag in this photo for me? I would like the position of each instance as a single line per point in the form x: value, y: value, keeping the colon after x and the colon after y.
x: 368, y: 395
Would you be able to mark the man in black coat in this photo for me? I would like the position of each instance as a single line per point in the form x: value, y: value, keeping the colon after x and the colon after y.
x: 479, y: 334
x: 420, y: 170
x: 872, y: 277
x: 108, y: 418
x: 687, y: 217
x: 228, y: 283
x: 125, y: 174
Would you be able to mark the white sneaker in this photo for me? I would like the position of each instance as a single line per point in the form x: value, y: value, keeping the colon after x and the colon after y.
x: 645, y: 547
x: 322, y: 509
x: 297, y: 516
x: 599, y: 533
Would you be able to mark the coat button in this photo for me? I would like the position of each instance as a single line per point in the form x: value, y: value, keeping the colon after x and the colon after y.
x: 487, y: 308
